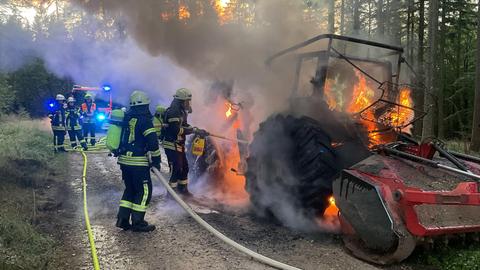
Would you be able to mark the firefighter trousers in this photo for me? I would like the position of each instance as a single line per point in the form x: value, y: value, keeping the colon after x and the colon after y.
x: 74, y: 135
x: 89, y: 132
x: 178, y: 167
x: 58, y: 140
x: 137, y: 194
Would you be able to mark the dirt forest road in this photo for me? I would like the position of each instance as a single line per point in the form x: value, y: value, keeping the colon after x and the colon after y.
x: 179, y: 242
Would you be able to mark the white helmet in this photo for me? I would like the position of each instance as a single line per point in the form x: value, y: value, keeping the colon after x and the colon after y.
x: 139, y: 98
x: 60, y: 97
x: 183, y: 94
x: 70, y: 99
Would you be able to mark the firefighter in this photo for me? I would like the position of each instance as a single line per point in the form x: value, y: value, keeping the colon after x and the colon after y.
x: 57, y: 119
x: 174, y: 135
x: 73, y: 124
x: 139, y: 142
x: 158, y: 120
x: 89, y: 109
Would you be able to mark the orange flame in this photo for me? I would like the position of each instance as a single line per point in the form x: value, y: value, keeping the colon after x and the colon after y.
x: 402, y: 115
x: 332, y: 209
x: 362, y: 97
x: 329, y: 96
x: 183, y: 13
x: 228, y: 113
x: 362, y: 94
x: 231, y: 185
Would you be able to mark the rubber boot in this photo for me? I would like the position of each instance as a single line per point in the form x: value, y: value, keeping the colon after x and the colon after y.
x: 174, y: 186
x: 62, y: 149
x: 123, y: 219
x: 139, y: 224
x: 183, y: 190
x: 93, y: 142
x: 84, y: 145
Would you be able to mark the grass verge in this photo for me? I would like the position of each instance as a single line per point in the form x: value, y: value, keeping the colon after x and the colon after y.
x: 26, y: 162
x: 465, y: 257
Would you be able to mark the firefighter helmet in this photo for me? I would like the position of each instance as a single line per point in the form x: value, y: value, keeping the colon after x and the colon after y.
x: 60, y: 97
x: 139, y: 98
x: 70, y: 99
x: 183, y: 94
x: 160, y: 109
x: 88, y: 95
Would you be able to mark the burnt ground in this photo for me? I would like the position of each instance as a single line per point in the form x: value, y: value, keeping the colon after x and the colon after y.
x: 179, y: 242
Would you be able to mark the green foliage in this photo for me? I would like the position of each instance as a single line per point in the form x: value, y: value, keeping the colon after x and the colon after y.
x: 7, y: 96
x: 25, y: 159
x: 33, y: 84
x: 25, y: 146
x: 21, y: 245
x: 466, y: 258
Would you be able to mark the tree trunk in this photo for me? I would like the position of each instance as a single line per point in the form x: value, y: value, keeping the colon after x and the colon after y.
x: 475, y: 146
x: 429, y: 102
x: 380, y: 19
x: 387, y: 17
x: 331, y: 16
x: 356, y: 17
x: 441, y: 88
x: 342, y: 18
x: 419, y: 96
x: 409, y: 30
x: 396, y: 28
x: 369, y: 18
x: 411, y: 6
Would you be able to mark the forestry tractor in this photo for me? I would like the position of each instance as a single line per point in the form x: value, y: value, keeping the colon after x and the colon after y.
x: 346, y: 135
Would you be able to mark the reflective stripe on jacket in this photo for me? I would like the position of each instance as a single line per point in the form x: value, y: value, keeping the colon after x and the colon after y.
x: 176, y: 127
x: 58, y: 119
x: 72, y: 116
x: 142, y: 139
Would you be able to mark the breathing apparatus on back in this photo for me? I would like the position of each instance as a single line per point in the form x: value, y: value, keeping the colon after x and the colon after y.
x: 117, y: 134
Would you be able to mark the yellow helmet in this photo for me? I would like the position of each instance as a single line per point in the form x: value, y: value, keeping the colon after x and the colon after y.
x: 88, y: 95
x: 160, y: 109
x: 138, y: 98
x: 183, y: 94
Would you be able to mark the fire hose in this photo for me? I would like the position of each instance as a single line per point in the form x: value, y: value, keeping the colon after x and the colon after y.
x: 228, y: 139
x: 93, y: 249
x: 216, y: 233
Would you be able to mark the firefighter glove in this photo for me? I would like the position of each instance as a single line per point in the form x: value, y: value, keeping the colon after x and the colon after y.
x: 156, y: 163
x: 200, y: 132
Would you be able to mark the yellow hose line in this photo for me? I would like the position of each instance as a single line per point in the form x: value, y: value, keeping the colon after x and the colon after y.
x: 96, y: 265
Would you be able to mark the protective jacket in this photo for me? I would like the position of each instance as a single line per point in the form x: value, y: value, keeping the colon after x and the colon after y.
x: 158, y: 125
x: 176, y: 128
x: 57, y: 118
x: 140, y: 139
x: 88, y: 112
x: 72, y: 118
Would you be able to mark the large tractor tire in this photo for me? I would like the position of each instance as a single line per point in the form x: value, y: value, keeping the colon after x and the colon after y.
x: 290, y: 168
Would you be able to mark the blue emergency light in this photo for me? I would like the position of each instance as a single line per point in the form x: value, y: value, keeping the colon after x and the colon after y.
x: 50, y: 105
x: 106, y: 88
x: 100, y: 117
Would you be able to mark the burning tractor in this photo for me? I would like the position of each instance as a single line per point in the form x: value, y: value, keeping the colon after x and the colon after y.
x: 346, y: 135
